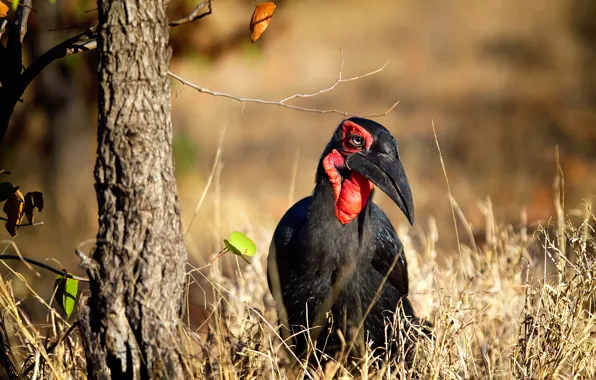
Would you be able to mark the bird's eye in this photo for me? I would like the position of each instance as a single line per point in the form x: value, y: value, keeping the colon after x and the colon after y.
x: 356, y: 141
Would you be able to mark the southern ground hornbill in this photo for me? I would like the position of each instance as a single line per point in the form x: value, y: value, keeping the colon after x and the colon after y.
x: 335, y: 257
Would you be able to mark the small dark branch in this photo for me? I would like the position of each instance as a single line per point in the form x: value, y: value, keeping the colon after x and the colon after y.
x: 13, y: 91
x: 194, y: 15
x: 80, y: 26
x: 51, y: 349
x: 27, y: 6
x: 44, y: 266
x: 72, y: 45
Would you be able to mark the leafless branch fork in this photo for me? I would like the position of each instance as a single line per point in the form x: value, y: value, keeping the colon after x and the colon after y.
x: 284, y: 102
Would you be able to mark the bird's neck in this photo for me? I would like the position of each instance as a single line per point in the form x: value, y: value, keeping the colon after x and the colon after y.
x: 334, y: 242
x: 351, y: 194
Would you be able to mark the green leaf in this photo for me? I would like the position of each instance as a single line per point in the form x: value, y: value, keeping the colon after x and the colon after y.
x: 66, y: 293
x: 6, y: 190
x: 239, y: 244
x: 15, y: 4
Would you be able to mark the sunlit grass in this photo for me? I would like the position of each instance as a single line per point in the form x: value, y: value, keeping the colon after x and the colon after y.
x: 498, y: 312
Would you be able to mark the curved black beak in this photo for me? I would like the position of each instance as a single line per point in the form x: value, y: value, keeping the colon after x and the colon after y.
x: 381, y: 165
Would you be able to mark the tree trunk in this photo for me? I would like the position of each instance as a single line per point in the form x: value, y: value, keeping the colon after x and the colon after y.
x: 132, y: 317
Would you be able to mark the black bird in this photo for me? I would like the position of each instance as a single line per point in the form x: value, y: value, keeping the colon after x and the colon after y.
x: 335, y: 253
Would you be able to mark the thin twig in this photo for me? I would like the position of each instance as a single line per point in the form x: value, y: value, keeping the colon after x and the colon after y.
x: 79, y: 26
x: 283, y: 102
x: 26, y: 6
x: 339, y: 80
x: 44, y: 266
x: 194, y: 15
x: 23, y: 225
x: 280, y: 103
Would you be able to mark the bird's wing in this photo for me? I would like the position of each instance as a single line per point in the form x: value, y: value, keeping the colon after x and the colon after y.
x: 281, y: 255
x: 389, y: 254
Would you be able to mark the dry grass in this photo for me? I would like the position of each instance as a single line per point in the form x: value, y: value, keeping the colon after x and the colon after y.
x: 497, y: 313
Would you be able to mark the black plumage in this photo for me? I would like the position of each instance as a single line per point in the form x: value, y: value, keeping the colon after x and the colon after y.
x: 325, y: 271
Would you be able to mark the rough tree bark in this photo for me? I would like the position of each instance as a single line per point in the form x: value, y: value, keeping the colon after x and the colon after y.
x: 131, y: 319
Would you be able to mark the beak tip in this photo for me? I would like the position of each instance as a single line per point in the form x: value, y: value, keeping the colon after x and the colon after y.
x: 411, y: 218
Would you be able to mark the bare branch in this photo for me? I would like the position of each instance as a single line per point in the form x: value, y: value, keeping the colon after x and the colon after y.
x: 283, y: 102
x: 339, y: 80
x: 194, y: 15
x: 44, y: 266
x: 72, y: 45
x: 15, y: 87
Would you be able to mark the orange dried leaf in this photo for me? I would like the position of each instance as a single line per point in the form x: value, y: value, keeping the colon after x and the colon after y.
x: 14, y: 208
x: 3, y: 9
x: 260, y: 19
x: 33, y: 200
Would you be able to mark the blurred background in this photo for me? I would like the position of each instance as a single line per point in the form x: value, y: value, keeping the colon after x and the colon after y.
x: 505, y: 82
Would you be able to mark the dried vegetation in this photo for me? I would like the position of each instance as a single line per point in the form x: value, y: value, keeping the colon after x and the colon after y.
x: 512, y: 303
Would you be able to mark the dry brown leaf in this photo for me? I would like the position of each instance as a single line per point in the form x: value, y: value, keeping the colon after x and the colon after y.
x: 260, y: 19
x: 3, y: 9
x: 29, y: 210
x: 37, y: 200
x: 14, y: 208
x: 33, y: 200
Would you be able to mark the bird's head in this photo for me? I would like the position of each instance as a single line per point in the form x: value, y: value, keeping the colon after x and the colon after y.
x: 362, y: 153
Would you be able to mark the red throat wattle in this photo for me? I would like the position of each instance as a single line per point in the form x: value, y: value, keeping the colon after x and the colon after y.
x: 352, y: 194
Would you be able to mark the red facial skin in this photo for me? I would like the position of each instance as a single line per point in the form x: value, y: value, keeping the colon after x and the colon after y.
x: 352, y: 194
x: 351, y: 128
